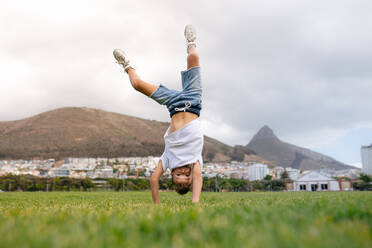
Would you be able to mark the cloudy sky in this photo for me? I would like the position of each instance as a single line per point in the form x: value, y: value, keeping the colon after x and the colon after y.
x: 302, y: 67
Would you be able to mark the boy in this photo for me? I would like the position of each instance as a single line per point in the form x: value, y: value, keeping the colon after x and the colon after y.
x: 183, y: 138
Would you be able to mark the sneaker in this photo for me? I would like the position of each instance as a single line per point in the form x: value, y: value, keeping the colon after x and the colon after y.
x: 190, y: 35
x: 122, y: 59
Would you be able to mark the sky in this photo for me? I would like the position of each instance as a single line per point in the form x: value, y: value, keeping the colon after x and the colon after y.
x: 301, y: 67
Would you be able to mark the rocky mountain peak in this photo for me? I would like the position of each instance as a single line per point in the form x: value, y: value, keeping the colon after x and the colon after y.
x: 265, y: 132
x: 271, y: 148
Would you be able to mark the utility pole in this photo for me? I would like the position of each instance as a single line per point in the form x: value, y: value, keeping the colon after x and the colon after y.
x: 271, y: 185
x: 216, y: 183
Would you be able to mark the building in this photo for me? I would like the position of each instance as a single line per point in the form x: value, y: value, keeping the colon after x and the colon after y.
x: 292, y: 173
x: 61, y: 172
x: 105, y: 172
x: 367, y: 159
x: 257, y: 171
x: 314, y: 181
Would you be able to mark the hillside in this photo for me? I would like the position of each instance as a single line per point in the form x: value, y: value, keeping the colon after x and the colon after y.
x: 87, y: 132
x: 267, y: 145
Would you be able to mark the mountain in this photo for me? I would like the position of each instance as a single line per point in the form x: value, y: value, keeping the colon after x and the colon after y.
x: 87, y: 132
x: 267, y: 145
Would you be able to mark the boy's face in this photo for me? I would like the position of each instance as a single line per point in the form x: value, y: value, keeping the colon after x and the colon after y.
x: 181, y: 175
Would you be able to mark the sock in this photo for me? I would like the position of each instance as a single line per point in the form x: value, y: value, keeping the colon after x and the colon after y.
x: 189, y: 45
x: 129, y: 66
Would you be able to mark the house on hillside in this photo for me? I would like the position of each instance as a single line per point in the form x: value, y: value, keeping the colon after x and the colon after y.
x: 314, y: 181
x: 61, y: 172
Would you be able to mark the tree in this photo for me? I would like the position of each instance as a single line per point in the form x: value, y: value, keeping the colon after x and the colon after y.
x: 258, y: 185
x: 238, y: 184
x: 365, y: 178
x: 284, y: 175
x: 131, y: 173
x: 268, y: 177
x: 277, y: 185
x: 365, y: 183
x: 141, y: 172
x: 207, y: 184
x: 225, y: 184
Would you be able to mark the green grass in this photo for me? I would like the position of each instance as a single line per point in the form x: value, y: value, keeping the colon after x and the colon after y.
x: 129, y: 219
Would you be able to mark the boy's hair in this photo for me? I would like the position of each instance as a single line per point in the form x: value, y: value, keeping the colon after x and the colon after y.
x: 182, y: 188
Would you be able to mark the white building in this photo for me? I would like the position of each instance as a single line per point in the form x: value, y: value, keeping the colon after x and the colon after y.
x: 105, y: 172
x: 257, y: 171
x: 292, y: 173
x: 367, y: 159
x: 314, y: 181
x: 60, y: 172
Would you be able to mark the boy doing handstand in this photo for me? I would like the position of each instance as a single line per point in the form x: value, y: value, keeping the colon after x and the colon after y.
x: 183, y: 138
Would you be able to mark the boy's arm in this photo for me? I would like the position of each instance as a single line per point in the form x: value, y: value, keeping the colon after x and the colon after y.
x: 197, y: 182
x: 154, y: 182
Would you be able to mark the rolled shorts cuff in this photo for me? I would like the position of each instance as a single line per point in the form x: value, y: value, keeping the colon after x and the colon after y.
x: 152, y: 94
x: 190, y: 69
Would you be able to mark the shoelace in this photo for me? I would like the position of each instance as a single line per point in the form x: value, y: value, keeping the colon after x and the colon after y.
x: 187, y: 105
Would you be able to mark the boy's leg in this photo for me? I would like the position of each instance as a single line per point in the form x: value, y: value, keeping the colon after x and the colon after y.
x: 191, y: 81
x: 140, y: 85
x: 192, y: 58
x: 137, y: 83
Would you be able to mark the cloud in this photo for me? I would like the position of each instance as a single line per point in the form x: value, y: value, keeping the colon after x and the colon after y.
x: 302, y: 67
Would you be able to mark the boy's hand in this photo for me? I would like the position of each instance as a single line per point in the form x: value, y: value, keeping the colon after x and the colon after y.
x: 197, y: 182
x: 154, y: 182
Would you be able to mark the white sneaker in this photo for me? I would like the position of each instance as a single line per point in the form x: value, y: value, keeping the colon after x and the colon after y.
x: 190, y: 35
x: 122, y: 59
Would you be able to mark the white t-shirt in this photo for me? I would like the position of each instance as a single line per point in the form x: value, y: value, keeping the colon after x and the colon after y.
x: 183, y: 146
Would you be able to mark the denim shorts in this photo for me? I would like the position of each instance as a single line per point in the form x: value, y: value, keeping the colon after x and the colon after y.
x: 187, y: 100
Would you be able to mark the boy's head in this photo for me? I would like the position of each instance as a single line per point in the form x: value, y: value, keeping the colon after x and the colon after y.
x: 181, y: 178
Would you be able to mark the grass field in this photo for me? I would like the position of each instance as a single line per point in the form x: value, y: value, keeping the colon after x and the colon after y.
x: 128, y: 219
